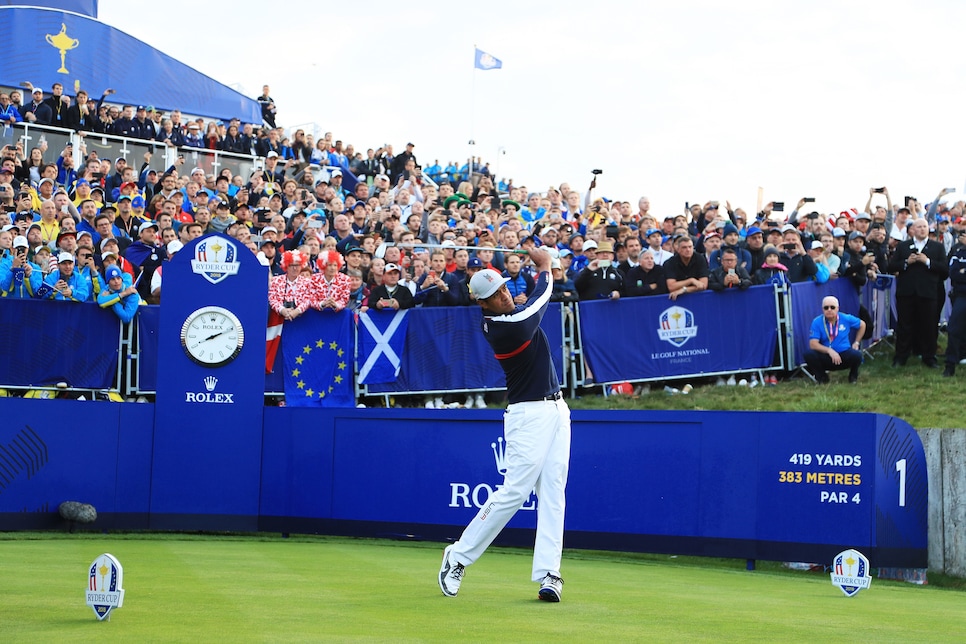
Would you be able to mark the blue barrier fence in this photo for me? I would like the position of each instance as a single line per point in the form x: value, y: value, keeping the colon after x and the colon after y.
x: 632, y: 339
x: 781, y: 486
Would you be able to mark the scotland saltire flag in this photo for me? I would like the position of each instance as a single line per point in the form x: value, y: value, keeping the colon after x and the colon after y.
x: 317, y: 348
x: 382, y: 336
x: 486, y: 61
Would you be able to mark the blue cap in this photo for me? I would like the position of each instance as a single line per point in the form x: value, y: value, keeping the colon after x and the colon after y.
x: 754, y: 230
x: 82, y: 182
x: 137, y: 202
x: 474, y: 263
x: 651, y: 231
x: 564, y: 252
x: 112, y: 272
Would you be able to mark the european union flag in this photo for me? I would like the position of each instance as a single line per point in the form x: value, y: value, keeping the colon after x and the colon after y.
x: 318, y: 351
x: 382, y: 336
x: 486, y: 61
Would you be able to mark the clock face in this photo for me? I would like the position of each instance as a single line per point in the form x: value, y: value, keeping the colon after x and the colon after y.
x: 212, y: 336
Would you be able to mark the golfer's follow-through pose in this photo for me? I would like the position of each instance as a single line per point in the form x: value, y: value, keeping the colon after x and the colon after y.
x: 536, y: 429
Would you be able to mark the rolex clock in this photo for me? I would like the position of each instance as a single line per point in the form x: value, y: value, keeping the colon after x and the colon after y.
x: 212, y: 336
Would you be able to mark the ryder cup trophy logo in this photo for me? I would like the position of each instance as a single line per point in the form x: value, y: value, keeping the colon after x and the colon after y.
x: 677, y: 326
x: 215, y: 259
x: 63, y: 44
x: 104, y: 592
x: 850, y: 572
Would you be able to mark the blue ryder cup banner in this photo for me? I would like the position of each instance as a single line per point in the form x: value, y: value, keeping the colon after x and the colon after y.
x: 317, y: 351
x: 806, y: 299
x: 382, y: 336
x: 445, y: 351
x: 655, y: 337
x: 46, y: 342
x: 58, y: 47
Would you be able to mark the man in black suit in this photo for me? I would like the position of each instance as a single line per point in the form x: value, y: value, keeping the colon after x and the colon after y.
x: 920, y: 264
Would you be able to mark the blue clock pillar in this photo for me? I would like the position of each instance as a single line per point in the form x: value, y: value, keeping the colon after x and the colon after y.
x: 211, y: 375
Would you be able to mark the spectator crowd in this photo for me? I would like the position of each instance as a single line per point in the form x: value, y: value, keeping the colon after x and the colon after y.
x: 342, y: 229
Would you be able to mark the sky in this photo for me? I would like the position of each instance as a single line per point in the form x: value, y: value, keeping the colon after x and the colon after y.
x: 686, y: 101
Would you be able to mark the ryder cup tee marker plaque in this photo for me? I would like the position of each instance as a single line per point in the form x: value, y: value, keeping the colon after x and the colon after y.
x: 104, y: 592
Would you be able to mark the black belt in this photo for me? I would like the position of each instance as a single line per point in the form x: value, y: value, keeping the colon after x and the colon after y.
x: 554, y: 396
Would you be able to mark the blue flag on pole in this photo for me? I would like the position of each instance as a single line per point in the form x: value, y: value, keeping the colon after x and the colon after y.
x: 317, y: 348
x: 486, y: 61
x: 382, y: 336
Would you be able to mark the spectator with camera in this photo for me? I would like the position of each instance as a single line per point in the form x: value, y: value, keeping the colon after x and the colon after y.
x: 600, y: 279
x: 67, y: 284
x: 19, y: 277
x: 291, y: 294
x: 729, y: 274
x: 437, y: 287
x: 800, y: 267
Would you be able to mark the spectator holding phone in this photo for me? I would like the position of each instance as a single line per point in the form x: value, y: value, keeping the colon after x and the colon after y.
x: 800, y: 267
x: 19, y: 277
x: 390, y: 295
x: 729, y: 275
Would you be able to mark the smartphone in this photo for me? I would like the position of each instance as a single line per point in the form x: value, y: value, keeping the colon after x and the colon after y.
x: 809, y: 199
x: 778, y: 206
x: 315, y: 223
x: 879, y: 190
x: 305, y: 195
x: 432, y: 276
x: 597, y: 171
x: 788, y: 246
x: 731, y: 271
x: 909, y: 200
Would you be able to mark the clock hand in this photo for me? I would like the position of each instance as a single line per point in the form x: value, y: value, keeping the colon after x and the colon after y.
x: 212, y: 337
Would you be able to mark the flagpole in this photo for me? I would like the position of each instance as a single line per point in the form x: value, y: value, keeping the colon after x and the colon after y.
x: 472, y: 141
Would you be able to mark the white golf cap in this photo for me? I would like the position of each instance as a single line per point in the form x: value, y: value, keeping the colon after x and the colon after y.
x: 589, y: 244
x: 174, y: 246
x: 65, y: 257
x: 486, y: 282
x: 20, y: 242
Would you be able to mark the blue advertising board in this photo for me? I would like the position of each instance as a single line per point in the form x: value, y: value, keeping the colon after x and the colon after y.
x: 641, y: 338
x: 779, y: 486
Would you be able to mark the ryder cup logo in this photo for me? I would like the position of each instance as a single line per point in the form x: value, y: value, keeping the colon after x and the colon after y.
x: 677, y: 326
x: 465, y: 495
x: 850, y: 572
x: 104, y: 580
x: 215, y: 259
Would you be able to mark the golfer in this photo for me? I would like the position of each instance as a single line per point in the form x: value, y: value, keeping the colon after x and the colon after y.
x: 536, y: 429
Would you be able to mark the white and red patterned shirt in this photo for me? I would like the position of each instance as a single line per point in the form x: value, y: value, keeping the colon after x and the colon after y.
x: 301, y: 292
x: 338, y: 289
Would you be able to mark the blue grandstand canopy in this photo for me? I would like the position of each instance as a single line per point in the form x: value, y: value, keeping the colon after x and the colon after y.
x: 83, y: 7
x: 57, y: 46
